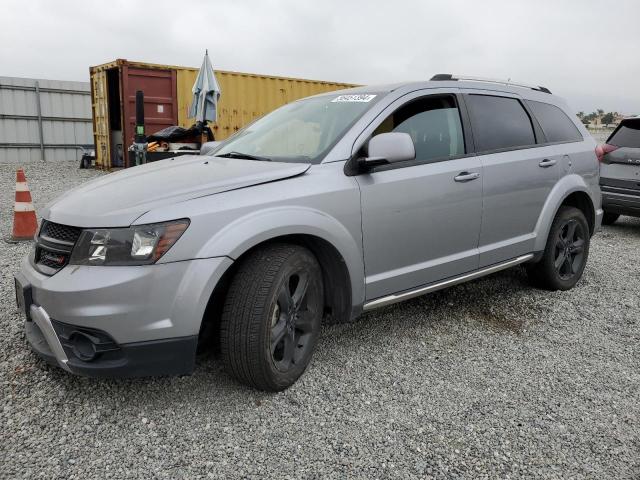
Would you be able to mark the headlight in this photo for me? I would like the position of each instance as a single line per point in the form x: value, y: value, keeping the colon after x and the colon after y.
x: 137, y: 245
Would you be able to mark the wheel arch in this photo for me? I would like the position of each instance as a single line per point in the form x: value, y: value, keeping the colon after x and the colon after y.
x: 582, y: 201
x: 338, y: 250
x: 571, y: 190
x: 338, y: 301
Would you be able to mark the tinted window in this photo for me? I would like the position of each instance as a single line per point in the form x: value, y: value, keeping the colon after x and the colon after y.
x: 434, y: 125
x: 627, y: 135
x: 557, y: 127
x: 499, y: 122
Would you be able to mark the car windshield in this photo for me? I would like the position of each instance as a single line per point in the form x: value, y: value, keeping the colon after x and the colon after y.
x: 301, y: 131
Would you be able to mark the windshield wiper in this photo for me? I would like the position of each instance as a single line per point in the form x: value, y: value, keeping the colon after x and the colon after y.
x: 245, y: 156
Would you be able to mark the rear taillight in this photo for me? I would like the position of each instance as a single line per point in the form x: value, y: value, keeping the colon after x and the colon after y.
x: 602, y: 150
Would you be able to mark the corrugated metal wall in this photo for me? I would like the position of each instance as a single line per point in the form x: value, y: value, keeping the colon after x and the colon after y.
x: 44, y: 117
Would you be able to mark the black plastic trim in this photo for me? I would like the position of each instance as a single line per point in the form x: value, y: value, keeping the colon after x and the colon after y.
x: 173, y: 356
x: 614, y: 185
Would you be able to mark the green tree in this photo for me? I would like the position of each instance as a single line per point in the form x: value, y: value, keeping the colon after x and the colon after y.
x: 608, y: 118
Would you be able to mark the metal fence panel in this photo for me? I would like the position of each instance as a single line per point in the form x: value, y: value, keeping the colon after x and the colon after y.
x: 44, y: 118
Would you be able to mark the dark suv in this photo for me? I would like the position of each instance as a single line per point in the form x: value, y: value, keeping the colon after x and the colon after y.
x: 620, y: 171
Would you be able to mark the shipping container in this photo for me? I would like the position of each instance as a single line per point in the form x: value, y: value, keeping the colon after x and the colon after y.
x: 167, y: 97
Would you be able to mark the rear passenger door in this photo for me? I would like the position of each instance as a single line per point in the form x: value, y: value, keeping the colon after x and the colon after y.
x: 517, y: 175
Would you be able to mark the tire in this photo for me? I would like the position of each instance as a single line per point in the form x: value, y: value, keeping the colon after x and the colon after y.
x: 567, y: 246
x: 270, y: 323
x: 610, y: 218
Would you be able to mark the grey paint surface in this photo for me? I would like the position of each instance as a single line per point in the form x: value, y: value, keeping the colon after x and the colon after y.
x: 120, y: 198
x: 420, y: 225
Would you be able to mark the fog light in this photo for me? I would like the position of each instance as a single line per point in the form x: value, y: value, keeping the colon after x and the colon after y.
x: 83, y: 346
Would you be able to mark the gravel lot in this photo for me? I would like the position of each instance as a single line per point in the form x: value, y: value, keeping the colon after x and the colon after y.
x: 490, y: 379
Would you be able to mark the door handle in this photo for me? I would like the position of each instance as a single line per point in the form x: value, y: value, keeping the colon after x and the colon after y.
x: 546, y: 163
x: 466, y: 176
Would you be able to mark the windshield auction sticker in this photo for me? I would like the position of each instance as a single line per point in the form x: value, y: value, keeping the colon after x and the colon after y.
x: 354, y: 98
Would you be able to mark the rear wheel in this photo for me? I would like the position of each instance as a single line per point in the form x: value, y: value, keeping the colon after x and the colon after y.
x: 565, y: 255
x: 610, y: 218
x: 271, y: 317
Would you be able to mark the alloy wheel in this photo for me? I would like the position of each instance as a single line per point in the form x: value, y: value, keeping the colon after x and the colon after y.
x: 292, y: 321
x: 569, y: 249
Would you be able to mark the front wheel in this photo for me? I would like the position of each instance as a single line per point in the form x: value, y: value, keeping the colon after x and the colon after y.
x: 566, y: 252
x: 271, y: 318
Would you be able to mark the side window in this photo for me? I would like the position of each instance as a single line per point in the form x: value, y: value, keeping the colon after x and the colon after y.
x: 434, y: 125
x: 499, y: 122
x: 557, y: 127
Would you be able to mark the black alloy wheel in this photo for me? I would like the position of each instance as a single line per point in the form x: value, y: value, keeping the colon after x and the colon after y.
x: 272, y: 316
x: 566, y: 252
x: 292, y: 322
x: 569, y: 248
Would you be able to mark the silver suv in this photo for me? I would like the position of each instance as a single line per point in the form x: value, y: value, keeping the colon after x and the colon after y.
x: 327, y: 207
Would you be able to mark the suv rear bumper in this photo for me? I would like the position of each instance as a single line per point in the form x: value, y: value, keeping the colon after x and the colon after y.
x: 619, y: 199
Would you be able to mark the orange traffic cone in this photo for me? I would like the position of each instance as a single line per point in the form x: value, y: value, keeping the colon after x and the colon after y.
x: 25, y: 223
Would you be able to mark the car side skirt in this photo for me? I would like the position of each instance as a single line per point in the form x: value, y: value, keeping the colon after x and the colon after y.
x: 399, y: 297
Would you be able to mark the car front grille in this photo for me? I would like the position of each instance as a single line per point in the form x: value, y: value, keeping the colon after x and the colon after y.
x: 54, y: 245
x: 61, y: 233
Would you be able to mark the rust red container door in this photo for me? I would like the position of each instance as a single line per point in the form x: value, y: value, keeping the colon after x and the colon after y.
x: 160, y: 100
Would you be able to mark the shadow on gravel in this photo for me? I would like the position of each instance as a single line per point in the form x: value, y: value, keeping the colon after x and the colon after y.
x: 491, y: 302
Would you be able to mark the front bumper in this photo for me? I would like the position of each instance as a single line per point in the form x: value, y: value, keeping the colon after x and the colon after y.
x: 158, y: 357
x: 137, y: 321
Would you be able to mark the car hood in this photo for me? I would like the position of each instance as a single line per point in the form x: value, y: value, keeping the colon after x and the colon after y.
x: 118, y: 199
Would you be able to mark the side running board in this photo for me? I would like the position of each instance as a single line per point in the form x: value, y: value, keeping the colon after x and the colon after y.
x: 399, y: 297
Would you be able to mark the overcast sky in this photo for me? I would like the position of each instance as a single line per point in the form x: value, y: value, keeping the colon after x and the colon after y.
x: 585, y: 50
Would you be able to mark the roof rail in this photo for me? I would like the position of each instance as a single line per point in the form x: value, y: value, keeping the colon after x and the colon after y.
x: 448, y: 76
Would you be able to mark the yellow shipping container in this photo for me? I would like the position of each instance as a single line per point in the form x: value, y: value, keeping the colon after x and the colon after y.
x: 245, y: 97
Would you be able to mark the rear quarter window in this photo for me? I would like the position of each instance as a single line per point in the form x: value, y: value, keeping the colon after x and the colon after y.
x: 499, y: 123
x: 555, y: 124
x: 626, y: 135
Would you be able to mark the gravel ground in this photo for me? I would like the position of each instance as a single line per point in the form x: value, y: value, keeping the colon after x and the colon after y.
x: 491, y: 379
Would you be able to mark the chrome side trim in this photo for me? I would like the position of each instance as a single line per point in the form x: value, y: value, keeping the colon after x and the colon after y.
x: 40, y: 316
x: 388, y: 300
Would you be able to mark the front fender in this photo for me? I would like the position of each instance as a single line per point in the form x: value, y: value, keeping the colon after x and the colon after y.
x: 565, y: 187
x: 242, y: 234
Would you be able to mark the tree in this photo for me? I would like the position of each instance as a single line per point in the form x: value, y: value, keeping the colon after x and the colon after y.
x: 580, y: 115
x: 600, y: 112
x: 608, y: 118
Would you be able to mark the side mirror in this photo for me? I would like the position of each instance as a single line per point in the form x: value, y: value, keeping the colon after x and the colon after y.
x: 389, y: 147
x: 208, y: 147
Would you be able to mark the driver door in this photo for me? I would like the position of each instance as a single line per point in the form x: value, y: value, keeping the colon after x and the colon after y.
x: 421, y: 218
